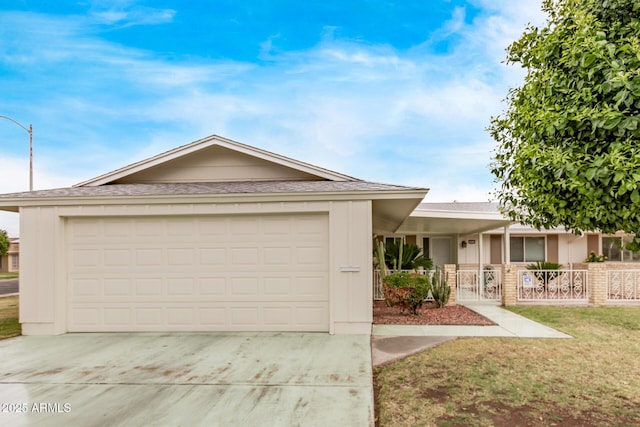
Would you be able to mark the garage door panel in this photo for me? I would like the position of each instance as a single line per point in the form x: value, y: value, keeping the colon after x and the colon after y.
x: 116, y: 229
x: 244, y: 286
x: 292, y: 287
x: 212, y: 256
x: 214, y: 226
x: 148, y: 227
x: 277, y: 286
x: 118, y: 287
x: 116, y: 316
x: 148, y: 286
x: 181, y: 256
x: 215, y: 286
x: 274, y: 269
x: 89, y: 287
x: 201, y: 317
x: 183, y: 286
x: 116, y: 258
x: 83, y: 258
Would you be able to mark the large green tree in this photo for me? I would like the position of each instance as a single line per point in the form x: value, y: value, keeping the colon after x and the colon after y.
x: 569, y: 141
x: 4, y: 242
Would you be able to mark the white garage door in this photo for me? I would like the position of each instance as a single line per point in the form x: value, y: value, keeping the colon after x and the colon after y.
x: 214, y: 273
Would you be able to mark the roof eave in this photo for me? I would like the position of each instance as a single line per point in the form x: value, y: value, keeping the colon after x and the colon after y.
x: 13, y: 204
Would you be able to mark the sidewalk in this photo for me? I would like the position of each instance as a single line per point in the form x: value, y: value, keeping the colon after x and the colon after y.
x: 392, y: 342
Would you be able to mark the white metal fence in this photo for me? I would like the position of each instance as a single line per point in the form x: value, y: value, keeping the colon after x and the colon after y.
x: 469, y: 288
x: 623, y: 286
x: 553, y: 286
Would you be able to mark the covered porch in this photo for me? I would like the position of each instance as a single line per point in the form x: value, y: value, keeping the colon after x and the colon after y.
x: 474, y: 245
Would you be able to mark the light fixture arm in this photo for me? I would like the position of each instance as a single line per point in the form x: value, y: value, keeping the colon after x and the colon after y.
x: 29, y: 130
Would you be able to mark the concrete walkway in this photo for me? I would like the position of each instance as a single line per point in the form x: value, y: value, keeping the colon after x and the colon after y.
x: 393, y: 342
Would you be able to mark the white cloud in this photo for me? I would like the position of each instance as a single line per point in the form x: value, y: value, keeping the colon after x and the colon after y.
x: 410, y: 116
x: 15, y: 173
x: 126, y: 13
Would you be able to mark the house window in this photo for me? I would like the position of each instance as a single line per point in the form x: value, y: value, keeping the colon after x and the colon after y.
x: 527, y: 249
x: 392, y: 240
x: 613, y: 249
x: 15, y: 262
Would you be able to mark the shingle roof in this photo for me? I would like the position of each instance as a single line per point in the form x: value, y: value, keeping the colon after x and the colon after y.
x: 204, y: 188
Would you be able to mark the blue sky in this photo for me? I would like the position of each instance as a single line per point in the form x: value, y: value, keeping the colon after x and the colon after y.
x: 389, y: 91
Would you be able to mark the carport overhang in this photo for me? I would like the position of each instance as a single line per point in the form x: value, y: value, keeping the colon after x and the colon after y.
x: 450, y: 222
x: 389, y: 214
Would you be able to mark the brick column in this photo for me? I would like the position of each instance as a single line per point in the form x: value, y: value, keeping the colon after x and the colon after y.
x: 451, y: 276
x: 597, y: 283
x: 509, y: 284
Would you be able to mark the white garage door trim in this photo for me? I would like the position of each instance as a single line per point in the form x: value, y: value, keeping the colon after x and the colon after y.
x: 198, y: 273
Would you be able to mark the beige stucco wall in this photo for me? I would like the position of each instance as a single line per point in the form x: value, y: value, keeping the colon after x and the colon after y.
x: 43, y: 280
x: 571, y: 248
x: 216, y: 164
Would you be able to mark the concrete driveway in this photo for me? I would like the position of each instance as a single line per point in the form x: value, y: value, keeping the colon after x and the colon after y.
x: 188, y: 379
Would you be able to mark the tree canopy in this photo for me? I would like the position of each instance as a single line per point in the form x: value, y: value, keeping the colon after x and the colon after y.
x: 4, y: 242
x: 569, y: 142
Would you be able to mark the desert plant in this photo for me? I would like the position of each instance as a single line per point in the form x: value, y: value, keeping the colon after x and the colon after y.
x: 440, y: 289
x: 409, y: 290
x: 399, y: 256
x: 380, y: 259
x: 541, y: 272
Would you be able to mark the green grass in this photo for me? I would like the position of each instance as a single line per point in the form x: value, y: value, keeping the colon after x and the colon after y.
x: 593, y: 379
x: 4, y: 276
x: 9, y: 325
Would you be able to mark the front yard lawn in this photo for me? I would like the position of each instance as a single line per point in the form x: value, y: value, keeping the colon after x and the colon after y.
x: 593, y: 379
x: 5, y: 276
x: 9, y: 325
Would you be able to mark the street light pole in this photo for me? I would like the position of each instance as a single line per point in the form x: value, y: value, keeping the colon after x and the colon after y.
x: 30, y: 132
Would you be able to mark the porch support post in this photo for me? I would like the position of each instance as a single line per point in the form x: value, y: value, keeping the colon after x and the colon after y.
x: 507, y: 246
x: 509, y: 285
x: 451, y: 274
x: 480, y: 265
x: 597, y: 283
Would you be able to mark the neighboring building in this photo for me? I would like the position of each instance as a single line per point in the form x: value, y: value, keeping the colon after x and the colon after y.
x: 10, y: 263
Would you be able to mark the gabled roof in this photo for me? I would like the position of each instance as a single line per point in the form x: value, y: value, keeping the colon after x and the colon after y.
x: 312, y: 171
x: 216, y: 169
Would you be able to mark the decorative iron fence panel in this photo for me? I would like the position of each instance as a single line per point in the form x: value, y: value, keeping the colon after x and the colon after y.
x: 553, y: 285
x: 469, y: 288
x: 623, y: 286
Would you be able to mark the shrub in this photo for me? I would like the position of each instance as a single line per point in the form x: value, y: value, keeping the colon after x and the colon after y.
x: 409, y: 290
x: 595, y: 258
x: 440, y: 288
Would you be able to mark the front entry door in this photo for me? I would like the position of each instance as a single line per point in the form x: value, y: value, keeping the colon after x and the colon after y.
x: 441, y: 253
